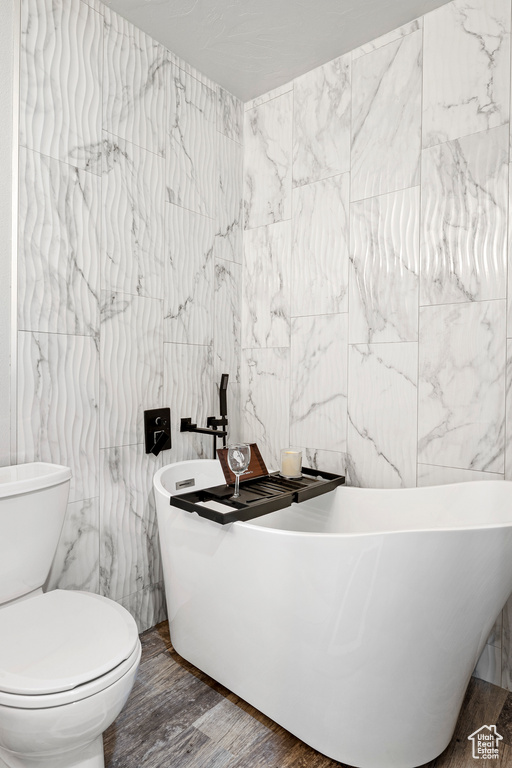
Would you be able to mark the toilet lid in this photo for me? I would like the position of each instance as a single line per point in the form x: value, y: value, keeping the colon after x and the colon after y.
x: 58, y: 640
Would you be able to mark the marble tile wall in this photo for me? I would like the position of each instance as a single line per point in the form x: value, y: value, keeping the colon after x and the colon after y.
x: 377, y: 320
x: 130, y: 230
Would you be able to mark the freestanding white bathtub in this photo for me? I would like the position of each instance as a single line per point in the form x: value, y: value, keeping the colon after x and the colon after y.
x: 354, y: 620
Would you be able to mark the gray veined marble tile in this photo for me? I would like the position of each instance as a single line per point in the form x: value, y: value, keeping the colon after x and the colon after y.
x: 320, y: 247
x: 131, y: 365
x: 59, y: 247
x: 188, y: 303
x: 429, y: 474
x: 464, y: 191
x: 268, y: 96
x: 509, y: 260
x: 266, y: 400
x: 147, y: 606
x: 228, y: 225
x: 384, y: 268
x: 318, y: 382
x: 235, y: 429
x: 129, y: 546
x: 227, y: 320
x: 389, y: 37
x: 386, y: 118
x: 326, y: 461
x: 190, y: 388
x: 467, y: 69
x: 266, y: 287
x: 230, y: 115
x: 57, y: 416
x: 76, y: 561
x: 192, y: 142
x: 135, y: 83
x: 461, y: 401
x: 60, y: 80
x: 268, y: 162
x: 133, y: 185
x: 321, y: 122
x: 382, y: 413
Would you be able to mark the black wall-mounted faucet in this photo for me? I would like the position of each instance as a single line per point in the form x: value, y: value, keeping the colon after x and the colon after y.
x: 211, y: 422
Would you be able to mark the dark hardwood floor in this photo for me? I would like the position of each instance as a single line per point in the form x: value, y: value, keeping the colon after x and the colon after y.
x: 178, y: 717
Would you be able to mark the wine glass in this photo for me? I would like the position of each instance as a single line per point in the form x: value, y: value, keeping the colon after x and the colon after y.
x: 239, y: 456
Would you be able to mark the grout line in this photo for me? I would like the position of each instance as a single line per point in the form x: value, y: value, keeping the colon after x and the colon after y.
x: 16, y: 32
x: 418, y: 244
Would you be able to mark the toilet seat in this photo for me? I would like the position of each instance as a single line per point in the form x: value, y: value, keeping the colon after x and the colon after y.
x: 63, y: 646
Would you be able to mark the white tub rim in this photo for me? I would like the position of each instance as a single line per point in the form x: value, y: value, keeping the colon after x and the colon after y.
x: 258, y: 524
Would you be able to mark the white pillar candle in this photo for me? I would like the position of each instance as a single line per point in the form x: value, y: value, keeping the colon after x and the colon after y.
x: 291, y: 463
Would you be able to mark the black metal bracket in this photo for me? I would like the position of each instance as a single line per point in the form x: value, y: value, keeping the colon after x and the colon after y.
x: 187, y: 426
x: 212, y: 423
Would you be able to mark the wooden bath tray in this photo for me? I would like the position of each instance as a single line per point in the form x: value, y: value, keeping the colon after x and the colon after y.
x: 257, y: 497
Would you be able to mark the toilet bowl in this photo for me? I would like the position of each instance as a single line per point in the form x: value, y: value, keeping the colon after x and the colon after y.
x: 68, y: 659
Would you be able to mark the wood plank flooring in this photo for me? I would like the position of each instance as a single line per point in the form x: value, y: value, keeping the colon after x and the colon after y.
x: 178, y: 717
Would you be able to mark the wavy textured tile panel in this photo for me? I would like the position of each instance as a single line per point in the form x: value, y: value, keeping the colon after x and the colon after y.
x: 58, y: 406
x: 129, y: 552
x: 134, y: 84
x: 268, y: 162
x: 60, y: 79
x: 227, y: 320
x: 192, y: 143
x: 467, y: 69
x: 318, y: 382
x: 189, y: 391
x: 265, y: 397
x: 384, y: 268
x: 189, y: 280
x: 96, y: 4
x: 76, y: 561
x: 131, y: 366
x: 321, y: 122
x: 320, y: 247
x: 147, y: 606
x: 230, y: 115
x: 59, y: 247
x: 228, y: 226
x: 382, y: 414
x: 266, y: 287
x: 386, y: 118
x: 464, y: 219
x: 461, y: 401
x: 133, y: 185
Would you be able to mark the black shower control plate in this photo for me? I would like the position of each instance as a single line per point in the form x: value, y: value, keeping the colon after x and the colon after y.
x: 156, y: 422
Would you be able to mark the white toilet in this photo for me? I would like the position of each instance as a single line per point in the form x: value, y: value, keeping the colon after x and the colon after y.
x: 68, y: 659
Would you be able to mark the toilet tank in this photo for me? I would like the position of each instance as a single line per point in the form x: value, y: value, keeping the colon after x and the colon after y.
x: 33, y: 500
